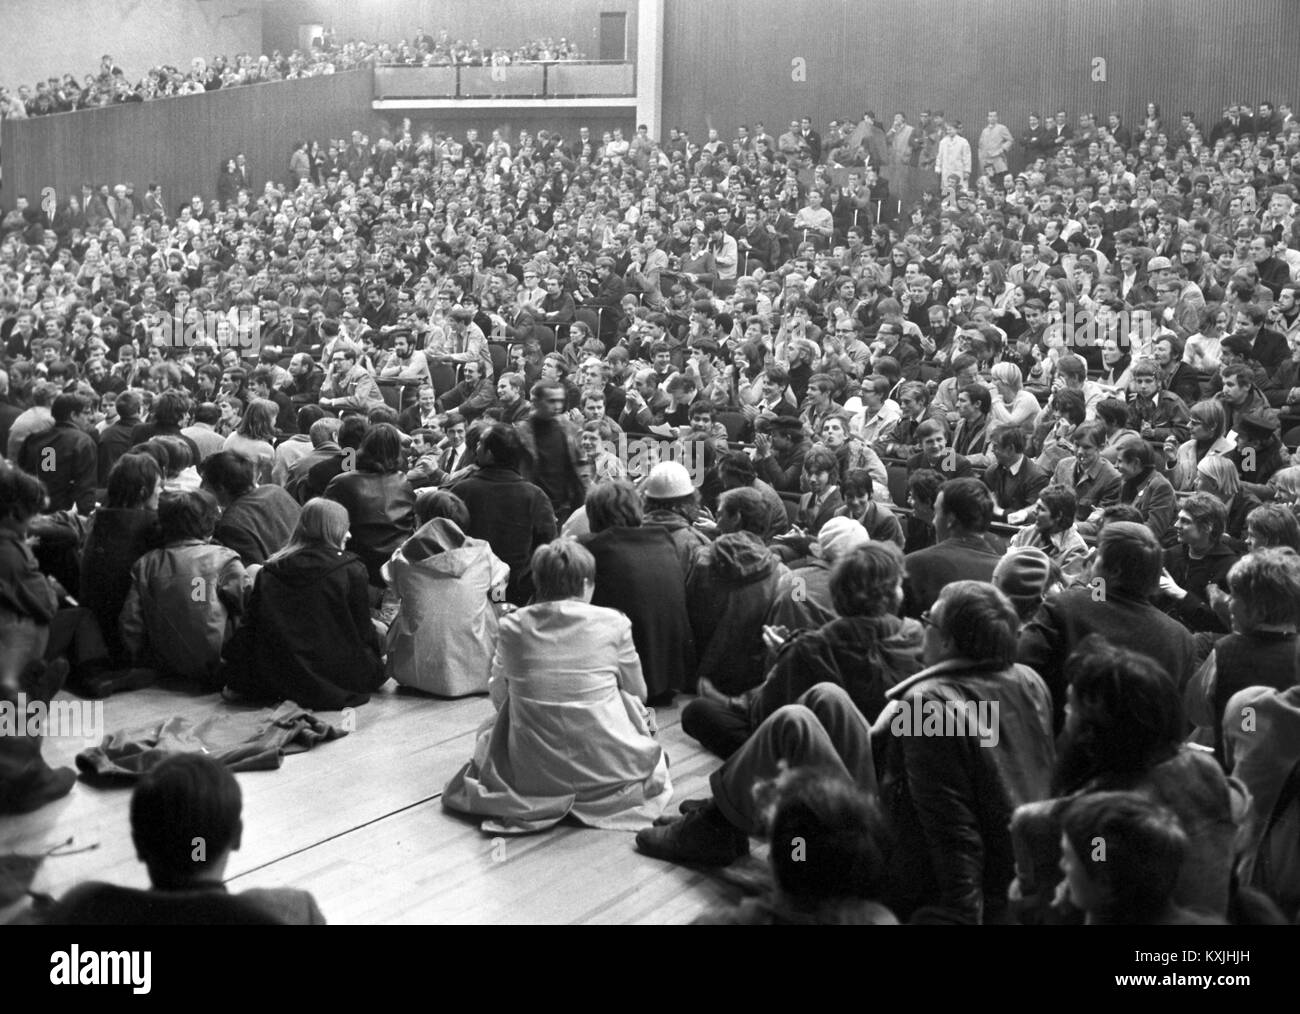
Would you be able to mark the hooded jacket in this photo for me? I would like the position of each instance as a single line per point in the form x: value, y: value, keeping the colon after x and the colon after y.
x: 729, y: 592
x: 866, y: 655
x: 445, y: 631
x: 308, y: 636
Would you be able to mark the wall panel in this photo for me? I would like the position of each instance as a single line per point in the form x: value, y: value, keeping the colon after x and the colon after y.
x: 728, y: 62
x: 180, y: 142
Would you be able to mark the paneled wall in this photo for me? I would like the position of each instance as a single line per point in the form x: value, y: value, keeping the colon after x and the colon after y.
x: 43, y: 38
x: 181, y: 142
x: 729, y: 62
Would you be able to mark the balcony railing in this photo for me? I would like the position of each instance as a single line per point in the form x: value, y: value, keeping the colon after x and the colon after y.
x: 559, y: 80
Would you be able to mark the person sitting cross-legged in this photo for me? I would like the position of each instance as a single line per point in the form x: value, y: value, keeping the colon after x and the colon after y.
x: 445, y: 631
x: 185, y: 823
x: 185, y: 597
x: 308, y: 636
x: 571, y: 735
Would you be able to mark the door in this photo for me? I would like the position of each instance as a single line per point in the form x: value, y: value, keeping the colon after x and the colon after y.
x: 613, y: 36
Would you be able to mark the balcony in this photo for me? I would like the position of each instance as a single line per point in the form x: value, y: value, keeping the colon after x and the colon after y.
x: 558, y: 84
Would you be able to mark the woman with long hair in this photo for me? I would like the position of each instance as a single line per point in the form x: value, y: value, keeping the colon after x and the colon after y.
x: 308, y: 636
x: 1217, y: 475
x: 254, y: 437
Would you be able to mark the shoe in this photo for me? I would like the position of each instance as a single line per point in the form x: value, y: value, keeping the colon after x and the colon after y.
x: 704, y: 837
x: 686, y: 806
x: 43, y: 680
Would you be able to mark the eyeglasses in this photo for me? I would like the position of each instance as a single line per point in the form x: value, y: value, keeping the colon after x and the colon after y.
x: 927, y: 620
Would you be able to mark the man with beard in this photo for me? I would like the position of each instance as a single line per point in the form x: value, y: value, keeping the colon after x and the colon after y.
x: 405, y: 363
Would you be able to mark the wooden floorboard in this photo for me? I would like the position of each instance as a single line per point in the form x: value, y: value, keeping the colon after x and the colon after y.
x: 359, y: 823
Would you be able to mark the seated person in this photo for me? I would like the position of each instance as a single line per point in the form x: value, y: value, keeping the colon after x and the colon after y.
x: 821, y: 476
x: 186, y: 597
x: 1144, y: 487
x: 256, y: 521
x: 1052, y: 529
x: 866, y: 649
x: 1014, y: 480
x: 922, y: 491
x: 187, y: 798
x: 858, y: 489
x: 445, y: 631
x: 572, y: 735
x: 1124, y: 731
x: 1262, y: 650
x: 935, y: 453
x: 806, y: 604
x: 1145, y: 852
x: 308, y: 636
x: 38, y: 622
x: 1199, y: 559
x: 729, y: 591
x: 837, y: 879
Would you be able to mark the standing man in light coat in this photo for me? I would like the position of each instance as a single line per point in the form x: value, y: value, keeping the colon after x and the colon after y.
x: 995, y: 142
x: 953, y: 158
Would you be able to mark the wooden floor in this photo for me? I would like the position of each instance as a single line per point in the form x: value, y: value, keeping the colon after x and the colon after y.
x: 359, y: 823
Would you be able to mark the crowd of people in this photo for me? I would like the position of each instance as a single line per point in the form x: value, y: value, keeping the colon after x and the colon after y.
x: 588, y: 424
x: 111, y: 86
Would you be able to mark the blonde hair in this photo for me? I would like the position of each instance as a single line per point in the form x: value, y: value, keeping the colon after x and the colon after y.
x: 321, y: 523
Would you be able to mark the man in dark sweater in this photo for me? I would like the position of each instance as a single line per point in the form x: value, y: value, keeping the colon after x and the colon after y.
x: 256, y: 521
x: 1114, y: 604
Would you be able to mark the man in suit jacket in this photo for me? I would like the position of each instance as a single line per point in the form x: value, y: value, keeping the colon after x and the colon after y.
x: 962, y: 513
x: 1015, y: 481
x: 1114, y: 604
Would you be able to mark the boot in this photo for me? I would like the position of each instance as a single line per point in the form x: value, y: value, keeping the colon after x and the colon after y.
x: 704, y: 837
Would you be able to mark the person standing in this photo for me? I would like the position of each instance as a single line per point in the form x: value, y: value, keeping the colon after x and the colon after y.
x: 995, y: 143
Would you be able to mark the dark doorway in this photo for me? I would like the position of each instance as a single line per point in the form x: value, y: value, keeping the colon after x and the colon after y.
x: 613, y: 36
